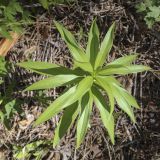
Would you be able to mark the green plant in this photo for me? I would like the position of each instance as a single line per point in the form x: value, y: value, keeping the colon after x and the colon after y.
x: 14, y: 16
x: 151, y: 11
x: 3, y: 70
x: 88, y: 80
x: 8, y: 105
x: 37, y: 149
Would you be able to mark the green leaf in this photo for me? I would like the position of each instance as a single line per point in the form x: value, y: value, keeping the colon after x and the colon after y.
x: 107, y: 119
x: 44, y: 3
x: 129, y: 98
x: 2, y: 116
x: 148, y: 3
x: 3, y: 65
x: 1, y: 81
x: 17, y: 7
x: 108, y: 79
x: 77, y: 52
x: 9, y: 107
x: 103, y: 82
x: 141, y: 7
x: 83, y: 121
x: 110, y: 86
x: 123, y: 70
x: 123, y: 104
x: 1, y: 100
x: 105, y: 47
x: 125, y: 60
x: 155, y: 12
x: 25, y: 152
x: 4, y: 32
x: 46, y: 68
x: 84, y: 66
x: 72, y: 95
x: 52, y: 82
x: 65, y: 123
x: 36, y: 66
x: 93, y: 43
x: 149, y: 21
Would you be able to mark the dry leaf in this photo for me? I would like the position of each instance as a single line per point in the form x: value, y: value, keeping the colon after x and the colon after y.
x: 7, y: 44
x: 25, y: 123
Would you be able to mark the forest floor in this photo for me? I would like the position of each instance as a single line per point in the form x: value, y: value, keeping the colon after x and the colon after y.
x: 41, y: 41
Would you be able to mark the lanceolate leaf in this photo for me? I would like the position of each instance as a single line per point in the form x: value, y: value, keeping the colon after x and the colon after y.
x: 125, y: 60
x: 109, y: 79
x: 129, y: 98
x: 52, y: 82
x: 107, y: 119
x: 84, y: 66
x: 71, y: 42
x: 109, y: 87
x: 83, y: 121
x: 46, y: 68
x: 105, y: 47
x: 37, y: 65
x: 57, y: 106
x: 77, y: 52
x: 65, y: 123
x: 123, y: 104
x: 103, y: 82
x: 93, y: 43
x: 123, y: 70
x: 68, y: 98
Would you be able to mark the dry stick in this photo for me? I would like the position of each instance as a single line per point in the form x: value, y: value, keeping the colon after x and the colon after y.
x: 134, y: 94
x: 106, y: 143
x: 135, y: 85
x: 128, y: 133
x: 141, y: 94
x: 75, y: 152
x: 85, y: 153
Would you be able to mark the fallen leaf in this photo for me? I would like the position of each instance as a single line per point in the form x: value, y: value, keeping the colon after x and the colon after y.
x: 25, y: 123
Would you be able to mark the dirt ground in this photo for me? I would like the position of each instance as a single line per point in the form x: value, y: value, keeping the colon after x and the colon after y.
x: 41, y: 41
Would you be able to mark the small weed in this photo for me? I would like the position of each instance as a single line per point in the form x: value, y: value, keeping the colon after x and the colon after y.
x: 151, y: 11
x: 14, y: 16
x: 8, y: 105
x: 36, y: 150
